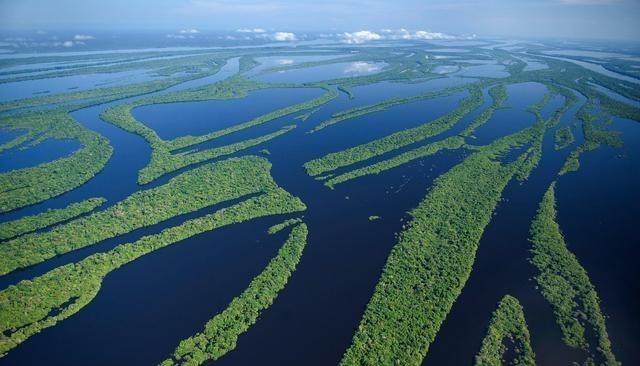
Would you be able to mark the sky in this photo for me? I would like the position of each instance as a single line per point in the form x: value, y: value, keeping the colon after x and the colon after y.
x: 562, y: 19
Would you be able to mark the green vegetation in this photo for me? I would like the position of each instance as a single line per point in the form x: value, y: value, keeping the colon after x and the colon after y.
x: 563, y: 138
x: 394, y: 141
x: 381, y: 106
x: 32, y: 305
x: 594, y: 137
x: 283, y: 225
x: 221, y: 333
x: 35, y: 184
x: 246, y: 63
x: 499, y: 95
x: 162, y: 164
x: 347, y: 91
x: 450, y: 143
x: 82, y: 98
x: 305, y: 116
x: 162, y: 66
x: 432, y: 260
x: 566, y: 286
x: 426, y: 270
x: 570, y: 100
x: 507, y: 324
x: 185, y: 193
x: 48, y: 218
x: 186, y: 141
x: 163, y: 160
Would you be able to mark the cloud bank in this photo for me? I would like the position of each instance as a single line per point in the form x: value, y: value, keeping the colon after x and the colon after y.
x: 283, y: 36
x: 360, y: 37
x: 396, y: 34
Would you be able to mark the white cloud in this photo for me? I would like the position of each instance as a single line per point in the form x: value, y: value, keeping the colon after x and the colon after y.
x: 361, y: 67
x: 399, y: 34
x: 249, y: 30
x: 429, y: 35
x: 83, y: 37
x: 395, y: 34
x: 283, y: 36
x: 67, y: 44
x: 189, y: 31
x: 176, y: 36
x: 360, y: 37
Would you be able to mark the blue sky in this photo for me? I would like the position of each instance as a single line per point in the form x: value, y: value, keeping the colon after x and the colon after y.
x: 613, y: 19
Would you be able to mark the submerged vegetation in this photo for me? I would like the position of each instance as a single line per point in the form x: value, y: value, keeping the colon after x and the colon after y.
x: 566, y: 286
x: 508, y: 325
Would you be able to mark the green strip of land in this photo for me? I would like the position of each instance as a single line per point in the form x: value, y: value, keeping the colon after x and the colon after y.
x: 32, y: 305
x: 28, y: 224
x: 164, y: 161
x: 28, y: 186
x: 431, y: 262
x: 394, y: 141
x: 221, y: 333
x: 508, y: 325
x: 566, y: 286
x: 188, y: 192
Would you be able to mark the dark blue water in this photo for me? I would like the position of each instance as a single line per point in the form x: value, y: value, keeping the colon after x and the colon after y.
x: 515, y: 116
x: 377, y: 125
x: 597, y: 211
x: 46, y: 151
x: 146, y: 307
x: 372, y: 93
x: 118, y: 178
x: 172, y: 120
x: 202, y: 274
x: 131, y: 153
x: 501, y: 267
x: 7, y: 135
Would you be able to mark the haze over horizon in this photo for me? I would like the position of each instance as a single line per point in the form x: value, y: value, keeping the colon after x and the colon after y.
x: 570, y: 19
